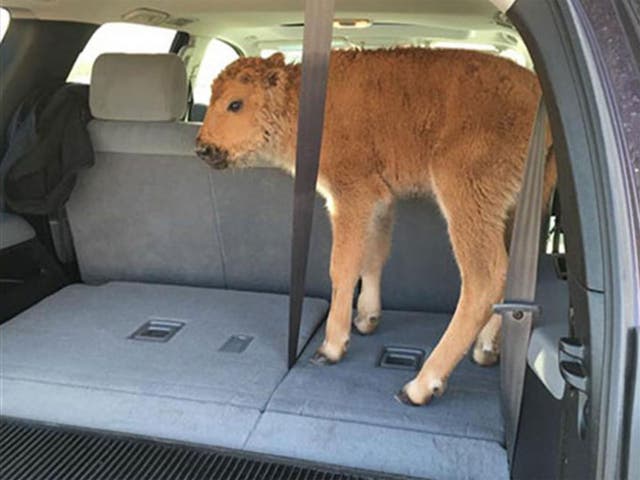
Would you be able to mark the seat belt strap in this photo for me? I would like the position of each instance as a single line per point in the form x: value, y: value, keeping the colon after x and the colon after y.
x: 518, y: 310
x: 318, y: 25
x: 61, y: 236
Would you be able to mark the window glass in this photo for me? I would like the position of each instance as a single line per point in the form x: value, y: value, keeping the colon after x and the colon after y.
x: 293, y: 51
x: 5, y: 18
x: 120, y: 38
x: 217, y: 56
x: 292, y: 54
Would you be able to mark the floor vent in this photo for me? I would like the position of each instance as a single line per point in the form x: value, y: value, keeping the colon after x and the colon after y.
x: 34, y: 451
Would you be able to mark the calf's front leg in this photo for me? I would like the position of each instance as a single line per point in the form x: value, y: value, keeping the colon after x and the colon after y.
x: 351, y: 222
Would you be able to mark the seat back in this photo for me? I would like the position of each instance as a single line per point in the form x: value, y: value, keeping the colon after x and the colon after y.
x: 134, y: 214
x: 151, y: 211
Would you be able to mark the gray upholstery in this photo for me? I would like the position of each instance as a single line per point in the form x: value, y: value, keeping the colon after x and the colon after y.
x: 119, y: 411
x: 147, y: 190
x: 74, y: 346
x: 150, y: 211
x: 145, y: 217
x: 14, y: 230
x: 357, y: 390
x: 70, y: 360
x: 254, y: 208
x: 234, y: 226
x: 255, y: 213
x: 403, y: 452
x: 421, y: 273
x: 138, y: 87
x: 144, y: 138
x: 542, y: 357
x: 346, y: 414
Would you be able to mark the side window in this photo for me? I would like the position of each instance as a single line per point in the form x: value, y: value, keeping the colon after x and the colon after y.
x: 217, y: 56
x: 120, y: 38
x: 5, y: 18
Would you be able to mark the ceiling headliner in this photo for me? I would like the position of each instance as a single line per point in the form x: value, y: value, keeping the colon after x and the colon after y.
x: 250, y: 23
x: 214, y: 15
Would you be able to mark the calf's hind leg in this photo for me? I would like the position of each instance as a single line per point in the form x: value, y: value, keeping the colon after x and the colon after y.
x: 377, y: 249
x: 486, y: 351
x: 476, y: 232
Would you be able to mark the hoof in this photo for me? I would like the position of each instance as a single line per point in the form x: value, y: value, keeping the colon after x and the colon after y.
x: 328, y: 354
x: 319, y: 359
x: 403, y: 398
x: 484, y: 357
x: 366, y: 325
x: 411, y: 394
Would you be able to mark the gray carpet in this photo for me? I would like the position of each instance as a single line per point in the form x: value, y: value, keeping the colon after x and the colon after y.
x: 70, y: 358
x: 390, y: 450
x: 346, y: 413
x: 357, y: 390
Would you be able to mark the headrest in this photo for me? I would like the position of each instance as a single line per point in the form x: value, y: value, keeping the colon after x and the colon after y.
x: 138, y: 87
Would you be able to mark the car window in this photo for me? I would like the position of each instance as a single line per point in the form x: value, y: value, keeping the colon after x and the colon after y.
x: 292, y: 54
x: 120, y: 38
x: 292, y: 51
x: 217, y: 56
x: 5, y: 18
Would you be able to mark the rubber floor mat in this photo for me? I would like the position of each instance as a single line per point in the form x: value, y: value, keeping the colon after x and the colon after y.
x: 36, y: 451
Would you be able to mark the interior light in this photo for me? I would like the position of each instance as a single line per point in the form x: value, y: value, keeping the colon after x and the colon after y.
x: 352, y: 23
x: 483, y: 47
x: 515, y: 56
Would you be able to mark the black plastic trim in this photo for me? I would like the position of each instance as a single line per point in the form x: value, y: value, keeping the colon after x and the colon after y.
x: 180, y: 40
x: 38, y: 451
x: 570, y: 42
x: 632, y: 420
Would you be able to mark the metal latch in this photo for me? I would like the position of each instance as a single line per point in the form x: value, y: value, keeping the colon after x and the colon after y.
x: 556, y: 241
x: 236, y: 344
x: 572, y: 354
x: 517, y: 309
x: 157, y: 330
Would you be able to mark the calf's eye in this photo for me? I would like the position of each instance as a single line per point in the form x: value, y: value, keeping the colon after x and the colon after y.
x: 235, y: 106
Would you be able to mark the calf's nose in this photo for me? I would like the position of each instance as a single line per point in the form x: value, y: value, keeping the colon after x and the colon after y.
x: 203, y: 151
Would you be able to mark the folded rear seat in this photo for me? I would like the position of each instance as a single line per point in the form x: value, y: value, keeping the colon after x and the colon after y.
x: 146, y: 215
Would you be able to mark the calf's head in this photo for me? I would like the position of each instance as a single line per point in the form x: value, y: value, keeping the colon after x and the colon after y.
x: 247, y: 103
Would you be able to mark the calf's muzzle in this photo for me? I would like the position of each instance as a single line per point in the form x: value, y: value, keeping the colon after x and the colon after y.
x: 214, y: 156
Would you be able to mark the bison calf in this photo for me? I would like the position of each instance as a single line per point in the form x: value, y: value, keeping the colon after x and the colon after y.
x: 451, y: 124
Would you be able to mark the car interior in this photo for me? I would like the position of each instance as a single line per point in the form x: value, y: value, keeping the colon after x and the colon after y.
x: 156, y: 302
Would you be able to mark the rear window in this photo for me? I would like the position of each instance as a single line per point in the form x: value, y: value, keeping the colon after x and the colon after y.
x: 120, y: 38
x: 5, y: 18
x: 217, y: 56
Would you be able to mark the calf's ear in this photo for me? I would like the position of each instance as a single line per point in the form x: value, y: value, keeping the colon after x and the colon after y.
x: 276, y: 60
x: 273, y: 77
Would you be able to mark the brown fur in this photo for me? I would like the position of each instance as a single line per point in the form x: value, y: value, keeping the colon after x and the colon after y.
x: 451, y: 124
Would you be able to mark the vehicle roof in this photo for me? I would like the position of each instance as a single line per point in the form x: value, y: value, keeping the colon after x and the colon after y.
x: 255, y: 25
